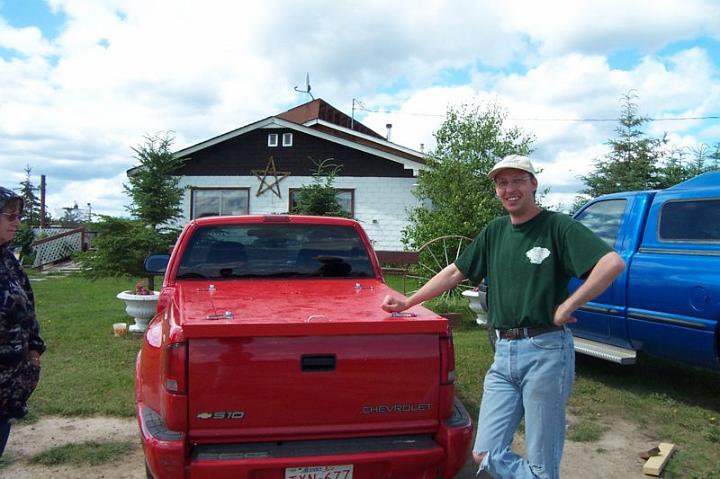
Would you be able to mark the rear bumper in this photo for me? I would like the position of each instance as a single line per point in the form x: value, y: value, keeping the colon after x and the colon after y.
x: 409, y: 456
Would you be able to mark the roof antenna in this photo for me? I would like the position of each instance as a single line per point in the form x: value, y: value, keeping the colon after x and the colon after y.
x: 307, y: 84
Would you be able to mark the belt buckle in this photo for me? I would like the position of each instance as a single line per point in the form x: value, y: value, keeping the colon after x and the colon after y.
x: 514, y: 333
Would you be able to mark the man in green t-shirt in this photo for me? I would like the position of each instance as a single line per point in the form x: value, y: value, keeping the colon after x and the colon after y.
x: 528, y: 259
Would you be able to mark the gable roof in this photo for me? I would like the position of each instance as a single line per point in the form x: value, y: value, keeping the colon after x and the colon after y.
x: 319, y: 109
x: 318, y: 119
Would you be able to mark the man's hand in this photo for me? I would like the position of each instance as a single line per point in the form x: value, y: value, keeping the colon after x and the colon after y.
x: 393, y: 305
x: 563, y: 316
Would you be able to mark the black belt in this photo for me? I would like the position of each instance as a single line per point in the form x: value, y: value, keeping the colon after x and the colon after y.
x: 521, y: 333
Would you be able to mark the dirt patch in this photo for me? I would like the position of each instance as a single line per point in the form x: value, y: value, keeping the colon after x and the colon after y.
x: 614, y: 455
x: 27, y: 440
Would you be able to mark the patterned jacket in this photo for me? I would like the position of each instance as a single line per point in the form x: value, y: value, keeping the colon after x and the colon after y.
x: 19, y: 334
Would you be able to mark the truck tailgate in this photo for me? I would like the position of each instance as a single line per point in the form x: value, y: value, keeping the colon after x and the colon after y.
x: 318, y: 363
x: 298, y: 387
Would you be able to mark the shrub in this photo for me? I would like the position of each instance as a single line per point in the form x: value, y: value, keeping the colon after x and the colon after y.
x: 121, y: 247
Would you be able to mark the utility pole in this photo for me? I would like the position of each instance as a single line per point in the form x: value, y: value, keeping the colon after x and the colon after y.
x: 43, y: 221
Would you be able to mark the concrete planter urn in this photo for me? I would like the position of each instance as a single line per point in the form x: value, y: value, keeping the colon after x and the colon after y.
x: 141, y: 307
x: 478, y: 303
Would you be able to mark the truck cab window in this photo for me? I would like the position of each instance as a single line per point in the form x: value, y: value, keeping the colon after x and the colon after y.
x: 604, y: 218
x: 690, y: 220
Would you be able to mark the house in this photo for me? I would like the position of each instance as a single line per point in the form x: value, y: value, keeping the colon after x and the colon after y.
x: 258, y: 169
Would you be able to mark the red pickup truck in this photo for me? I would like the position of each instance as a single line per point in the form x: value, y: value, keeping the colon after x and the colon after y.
x: 270, y: 358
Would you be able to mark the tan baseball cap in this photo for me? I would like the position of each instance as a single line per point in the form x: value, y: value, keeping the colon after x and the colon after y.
x: 516, y: 162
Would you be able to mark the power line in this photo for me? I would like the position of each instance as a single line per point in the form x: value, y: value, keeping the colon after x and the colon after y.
x: 588, y: 120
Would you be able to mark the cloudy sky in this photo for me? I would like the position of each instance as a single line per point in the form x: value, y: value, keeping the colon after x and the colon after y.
x: 83, y: 81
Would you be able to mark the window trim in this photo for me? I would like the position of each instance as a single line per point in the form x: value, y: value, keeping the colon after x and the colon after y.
x: 288, y: 136
x: 215, y: 188
x: 272, y: 140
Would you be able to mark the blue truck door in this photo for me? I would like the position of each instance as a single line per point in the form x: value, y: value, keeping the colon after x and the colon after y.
x: 674, y: 294
x: 617, y: 219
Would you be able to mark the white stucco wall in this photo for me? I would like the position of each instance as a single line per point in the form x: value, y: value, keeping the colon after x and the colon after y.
x: 381, y: 204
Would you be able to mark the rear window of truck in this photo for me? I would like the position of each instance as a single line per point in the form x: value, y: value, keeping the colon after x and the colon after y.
x: 690, y: 221
x: 274, y: 251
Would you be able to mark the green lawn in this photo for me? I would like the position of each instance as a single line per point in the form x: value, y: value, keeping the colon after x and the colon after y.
x: 87, y: 370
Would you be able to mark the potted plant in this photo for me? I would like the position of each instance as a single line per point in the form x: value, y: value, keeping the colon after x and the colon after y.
x: 478, y: 302
x: 140, y: 304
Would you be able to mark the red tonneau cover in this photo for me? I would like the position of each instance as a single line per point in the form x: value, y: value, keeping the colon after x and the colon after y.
x: 296, y: 307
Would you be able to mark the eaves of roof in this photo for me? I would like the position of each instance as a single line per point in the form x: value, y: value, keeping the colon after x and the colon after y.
x: 323, y: 130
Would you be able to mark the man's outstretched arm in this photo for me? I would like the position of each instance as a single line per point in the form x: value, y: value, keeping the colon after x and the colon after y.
x: 446, y: 279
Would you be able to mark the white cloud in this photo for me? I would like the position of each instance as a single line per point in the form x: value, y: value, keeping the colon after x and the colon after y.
x: 562, y: 26
x: 72, y: 107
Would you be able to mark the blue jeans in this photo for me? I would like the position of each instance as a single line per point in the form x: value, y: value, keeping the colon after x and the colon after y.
x: 4, y: 433
x: 533, y: 378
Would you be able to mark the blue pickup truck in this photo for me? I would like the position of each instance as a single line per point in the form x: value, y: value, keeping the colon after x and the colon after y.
x: 667, y: 302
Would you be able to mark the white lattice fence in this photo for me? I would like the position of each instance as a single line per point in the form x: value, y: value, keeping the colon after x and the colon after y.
x: 57, y: 247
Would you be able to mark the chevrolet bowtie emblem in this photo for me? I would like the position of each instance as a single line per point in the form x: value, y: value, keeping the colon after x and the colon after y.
x: 221, y: 415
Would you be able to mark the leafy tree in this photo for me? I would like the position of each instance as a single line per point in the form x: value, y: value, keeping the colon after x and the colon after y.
x: 31, y: 207
x: 154, y: 190
x: 457, y: 196
x: 634, y: 161
x: 320, y: 197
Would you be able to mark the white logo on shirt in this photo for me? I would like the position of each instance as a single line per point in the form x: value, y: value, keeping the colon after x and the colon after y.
x: 537, y: 255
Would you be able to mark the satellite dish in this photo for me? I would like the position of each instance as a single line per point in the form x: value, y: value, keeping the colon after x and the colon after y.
x: 307, y: 86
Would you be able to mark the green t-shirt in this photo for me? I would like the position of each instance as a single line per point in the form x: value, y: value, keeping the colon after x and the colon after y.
x: 528, y: 266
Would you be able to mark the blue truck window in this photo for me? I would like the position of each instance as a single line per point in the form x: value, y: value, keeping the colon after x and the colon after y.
x: 690, y: 220
x: 604, y: 218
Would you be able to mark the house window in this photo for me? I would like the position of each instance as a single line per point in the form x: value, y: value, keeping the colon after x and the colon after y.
x: 346, y: 198
x: 219, y: 202
x: 273, y: 139
x: 287, y: 139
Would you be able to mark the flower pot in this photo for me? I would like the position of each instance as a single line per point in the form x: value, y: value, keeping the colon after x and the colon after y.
x: 477, y: 304
x: 141, y: 307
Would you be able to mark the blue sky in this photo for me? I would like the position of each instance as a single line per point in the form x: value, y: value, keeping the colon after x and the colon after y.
x: 86, y: 80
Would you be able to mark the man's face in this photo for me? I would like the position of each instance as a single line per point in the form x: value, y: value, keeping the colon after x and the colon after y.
x: 9, y: 222
x: 516, y: 190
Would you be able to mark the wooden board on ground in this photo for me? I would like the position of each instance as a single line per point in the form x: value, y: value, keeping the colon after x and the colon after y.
x: 655, y: 465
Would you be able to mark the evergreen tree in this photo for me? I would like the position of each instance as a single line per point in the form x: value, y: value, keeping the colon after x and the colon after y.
x: 31, y: 207
x: 320, y: 198
x: 634, y: 161
x: 457, y: 195
x: 152, y: 186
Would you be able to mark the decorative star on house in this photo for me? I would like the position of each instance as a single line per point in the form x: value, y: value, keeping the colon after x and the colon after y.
x: 270, y: 171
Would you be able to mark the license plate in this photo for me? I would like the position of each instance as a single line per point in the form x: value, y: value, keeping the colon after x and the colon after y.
x: 320, y: 472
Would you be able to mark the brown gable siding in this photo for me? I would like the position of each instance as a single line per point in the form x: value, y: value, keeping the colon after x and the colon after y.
x: 239, y: 155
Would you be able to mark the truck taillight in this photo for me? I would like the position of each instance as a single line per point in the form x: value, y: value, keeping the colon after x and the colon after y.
x: 447, y: 375
x: 447, y: 359
x: 176, y: 368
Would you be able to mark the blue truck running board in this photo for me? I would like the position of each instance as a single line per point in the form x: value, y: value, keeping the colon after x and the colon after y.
x: 605, y: 351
